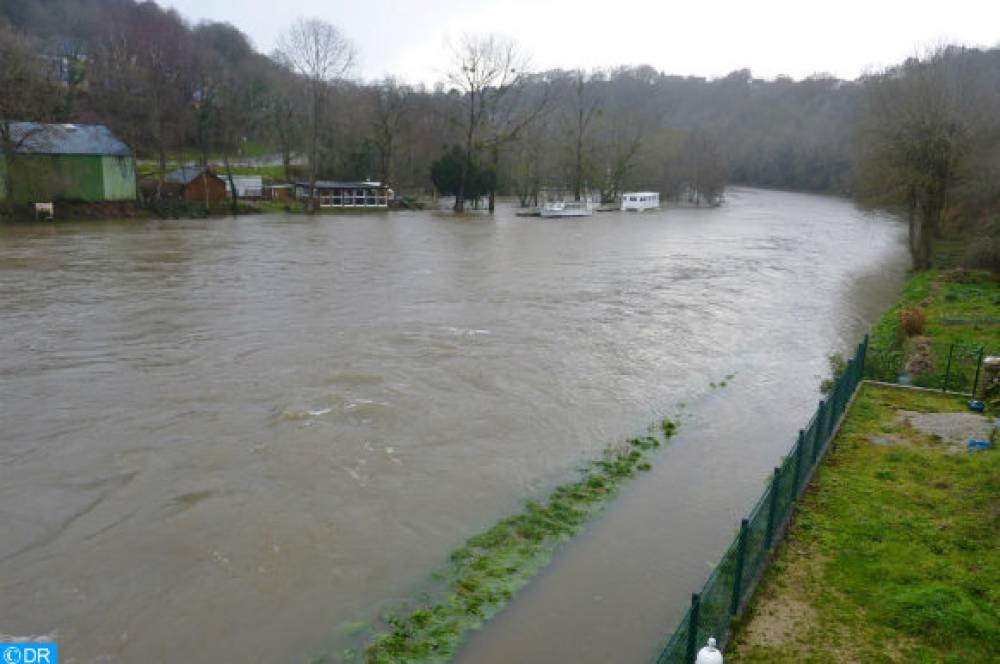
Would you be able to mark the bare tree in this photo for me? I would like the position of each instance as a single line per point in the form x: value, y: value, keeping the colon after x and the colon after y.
x: 117, y: 88
x: 485, y: 69
x: 524, y: 174
x: 914, y: 139
x: 703, y: 168
x: 622, y: 137
x: 511, y: 114
x: 141, y: 80
x: 321, y: 54
x: 26, y: 94
x: 279, y: 107
x: 586, y: 106
x: 391, y: 102
x: 163, y: 50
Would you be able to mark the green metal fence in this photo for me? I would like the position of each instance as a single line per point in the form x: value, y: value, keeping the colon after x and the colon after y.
x: 954, y: 367
x: 729, y: 587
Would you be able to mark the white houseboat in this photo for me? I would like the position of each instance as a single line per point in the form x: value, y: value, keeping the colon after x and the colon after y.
x: 640, y: 200
x: 584, y: 208
x: 331, y: 194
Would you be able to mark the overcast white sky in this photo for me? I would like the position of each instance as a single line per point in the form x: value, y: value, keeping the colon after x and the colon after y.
x: 697, y: 37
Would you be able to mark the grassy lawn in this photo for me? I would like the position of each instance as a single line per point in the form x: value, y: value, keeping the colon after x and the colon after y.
x: 958, y: 307
x: 150, y: 170
x: 893, y: 553
x: 276, y: 173
x: 949, y: 252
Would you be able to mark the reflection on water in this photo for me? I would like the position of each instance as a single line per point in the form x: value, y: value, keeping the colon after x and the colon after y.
x: 238, y: 434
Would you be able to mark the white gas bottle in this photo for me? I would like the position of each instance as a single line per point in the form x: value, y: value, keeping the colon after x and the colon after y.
x: 709, y: 654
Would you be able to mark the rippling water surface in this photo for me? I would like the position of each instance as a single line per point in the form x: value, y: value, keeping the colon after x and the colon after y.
x: 232, y: 436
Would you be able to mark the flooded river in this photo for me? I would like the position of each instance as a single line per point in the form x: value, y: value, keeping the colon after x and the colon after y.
x: 224, y: 439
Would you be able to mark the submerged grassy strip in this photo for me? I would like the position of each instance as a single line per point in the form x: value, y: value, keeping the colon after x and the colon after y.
x: 482, y: 574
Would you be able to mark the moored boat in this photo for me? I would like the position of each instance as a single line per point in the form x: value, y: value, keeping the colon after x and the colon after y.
x: 584, y: 208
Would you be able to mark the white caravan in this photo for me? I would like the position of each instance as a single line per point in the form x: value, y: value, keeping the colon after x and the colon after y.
x: 640, y: 200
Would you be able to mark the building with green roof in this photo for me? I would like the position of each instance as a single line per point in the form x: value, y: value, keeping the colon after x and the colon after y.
x: 67, y: 162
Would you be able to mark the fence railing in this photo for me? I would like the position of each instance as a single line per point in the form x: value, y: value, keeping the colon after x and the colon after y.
x: 725, y: 594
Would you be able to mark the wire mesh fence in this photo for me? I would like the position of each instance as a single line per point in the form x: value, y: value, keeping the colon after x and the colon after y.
x: 949, y: 366
x: 725, y: 594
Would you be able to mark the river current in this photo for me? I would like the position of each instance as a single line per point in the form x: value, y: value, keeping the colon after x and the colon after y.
x: 224, y: 439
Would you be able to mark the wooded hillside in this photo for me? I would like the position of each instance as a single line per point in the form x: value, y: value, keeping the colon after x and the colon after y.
x: 922, y: 138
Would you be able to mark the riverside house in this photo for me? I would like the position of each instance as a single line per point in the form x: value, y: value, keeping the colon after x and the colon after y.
x: 332, y: 194
x: 67, y: 162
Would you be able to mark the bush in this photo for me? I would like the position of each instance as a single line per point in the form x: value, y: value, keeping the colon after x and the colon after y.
x: 981, y: 241
x: 983, y: 253
x: 838, y: 365
x: 911, y: 321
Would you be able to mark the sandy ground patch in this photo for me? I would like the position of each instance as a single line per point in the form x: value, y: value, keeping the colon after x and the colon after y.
x: 951, y: 428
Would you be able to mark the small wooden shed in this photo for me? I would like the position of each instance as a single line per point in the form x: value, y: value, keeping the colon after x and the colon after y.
x: 198, y: 184
x: 279, y: 192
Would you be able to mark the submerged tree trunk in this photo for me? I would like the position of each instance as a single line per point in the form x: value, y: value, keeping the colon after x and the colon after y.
x: 387, y: 162
x: 495, y: 154
x: 460, y: 197
x: 578, y: 170
x: 232, y: 185
x: 162, y: 155
x: 314, y: 147
x: 204, y: 187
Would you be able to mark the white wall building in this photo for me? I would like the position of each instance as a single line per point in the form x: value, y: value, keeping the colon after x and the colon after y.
x: 640, y: 200
x: 247, y: 186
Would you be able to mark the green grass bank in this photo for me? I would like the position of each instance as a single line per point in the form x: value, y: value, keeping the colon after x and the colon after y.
x: 954, y: 312
x: 892, y: 552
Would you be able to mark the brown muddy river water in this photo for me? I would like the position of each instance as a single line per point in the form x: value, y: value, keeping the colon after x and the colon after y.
x: 221, y: 440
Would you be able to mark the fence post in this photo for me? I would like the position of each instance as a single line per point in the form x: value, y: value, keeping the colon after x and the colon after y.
x: 773, y: 507
x: 798, y: 462
x: 827, y: 423
x: 832, y: 408
x: 834, y: 402
x: 845, y: 393
x: 741, y: 550
x: 823, y: 429
x: 692, y: 641
x: 848, y: 388
x: 860, y: 357
x: 947, y: 371
x: 864, y: 357
x: 979, y: 364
